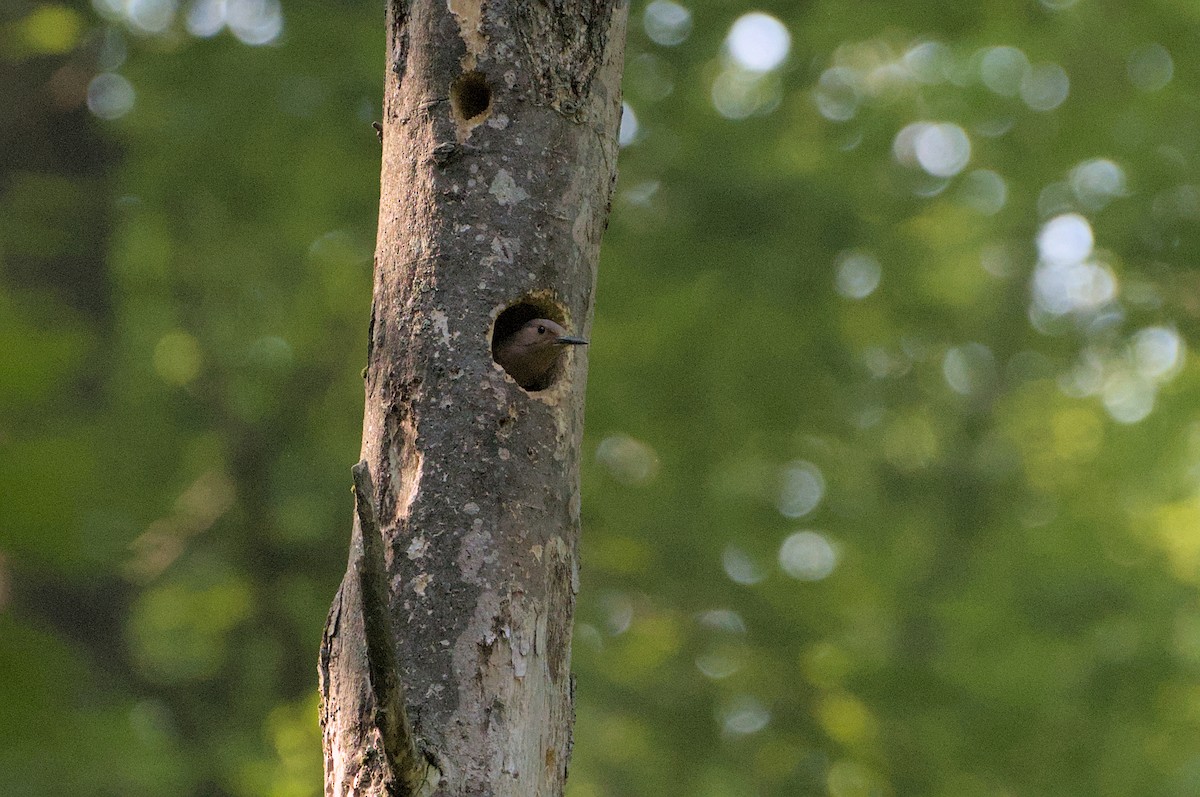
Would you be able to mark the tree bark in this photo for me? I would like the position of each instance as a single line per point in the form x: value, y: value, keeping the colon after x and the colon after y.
x: 445, y: 665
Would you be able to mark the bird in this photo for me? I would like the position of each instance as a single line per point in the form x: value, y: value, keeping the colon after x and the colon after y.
x: 530, y: 353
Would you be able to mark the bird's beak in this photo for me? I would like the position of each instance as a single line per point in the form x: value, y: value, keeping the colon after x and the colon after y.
x: 568, y: 340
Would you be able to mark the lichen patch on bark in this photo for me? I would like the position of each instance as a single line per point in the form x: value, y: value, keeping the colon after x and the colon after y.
x: 417, y: 548
x: 506, y: 190
x: 441, y: 323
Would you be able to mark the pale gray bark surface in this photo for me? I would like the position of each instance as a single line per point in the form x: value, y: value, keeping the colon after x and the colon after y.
x: 499, y: 156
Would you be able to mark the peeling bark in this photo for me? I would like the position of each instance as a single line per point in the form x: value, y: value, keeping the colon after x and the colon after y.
x: 499, y: 153
x: 370, y: 747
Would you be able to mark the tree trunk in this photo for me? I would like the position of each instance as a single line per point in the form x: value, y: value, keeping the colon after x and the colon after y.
x: 445, y: 666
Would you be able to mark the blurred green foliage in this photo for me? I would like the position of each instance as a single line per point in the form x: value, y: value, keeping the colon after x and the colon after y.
x: 892, y: 456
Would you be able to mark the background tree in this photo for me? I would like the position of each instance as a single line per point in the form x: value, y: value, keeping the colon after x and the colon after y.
x: 889, y: 466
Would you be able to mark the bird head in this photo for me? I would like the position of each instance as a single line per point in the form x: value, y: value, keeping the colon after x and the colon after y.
x: 529, y: 354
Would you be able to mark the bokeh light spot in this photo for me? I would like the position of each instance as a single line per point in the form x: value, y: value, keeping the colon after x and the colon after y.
x: 858, y: 274
x: 629, y: 126
x: 1002, y: 69
x: 1150, y: 68
x: 205, y: 18
x: 177, y: 358
x: 110, y: 9
x: 110, y: 96
x: 628, y: 460
x: 726, y: 620
x: 929, y: 62
x: 255, y: 22
x: 150, y: 16
x: 744, y: 715
x: 801, y: 487
x: 758, y: 42
x: 618, y: 610
x: 1066, y: 287
x: 49, y: 29
x: 942, y: 149
x: 807, y: 556
x: 984, y: 191
x: 837, y: 94
x: 969, y: 369
x: 1158, y: 353
x: 667, y: 23
x: 1127, y: 397
x: 1097, y: 182
x: 740, y: 567
x: 1065, y: 239
x: 1045, y: 87
x: 718, y: 664
x: 738, y: 94
x: 847, y: 719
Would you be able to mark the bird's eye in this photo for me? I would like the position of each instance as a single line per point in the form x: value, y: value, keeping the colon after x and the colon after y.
x: 541, y: 330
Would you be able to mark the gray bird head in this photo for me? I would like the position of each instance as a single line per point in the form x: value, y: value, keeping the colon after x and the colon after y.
x: 529, y: 354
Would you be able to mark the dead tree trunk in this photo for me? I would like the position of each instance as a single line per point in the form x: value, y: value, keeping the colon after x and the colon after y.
x: 445, y: 665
